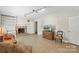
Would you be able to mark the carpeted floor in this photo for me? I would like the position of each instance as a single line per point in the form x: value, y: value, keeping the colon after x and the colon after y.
x: 42, y: 45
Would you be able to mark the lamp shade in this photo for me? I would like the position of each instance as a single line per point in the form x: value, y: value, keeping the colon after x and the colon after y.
x: 2, y: 30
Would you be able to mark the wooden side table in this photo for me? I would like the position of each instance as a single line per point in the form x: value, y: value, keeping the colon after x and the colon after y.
x: 48, y: 35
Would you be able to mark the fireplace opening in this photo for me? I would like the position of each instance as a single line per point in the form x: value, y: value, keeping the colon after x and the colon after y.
x: 21, y: 30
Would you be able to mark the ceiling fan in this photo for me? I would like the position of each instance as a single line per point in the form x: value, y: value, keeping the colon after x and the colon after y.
x: 35, y: 11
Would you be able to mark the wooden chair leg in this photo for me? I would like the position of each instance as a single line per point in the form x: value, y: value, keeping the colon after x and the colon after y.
x: 61, y: 40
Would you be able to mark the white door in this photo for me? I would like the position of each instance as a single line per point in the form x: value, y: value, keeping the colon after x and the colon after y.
x: 74, y: 30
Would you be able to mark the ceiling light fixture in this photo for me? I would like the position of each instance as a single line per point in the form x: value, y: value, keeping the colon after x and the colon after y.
x: 36, y: 11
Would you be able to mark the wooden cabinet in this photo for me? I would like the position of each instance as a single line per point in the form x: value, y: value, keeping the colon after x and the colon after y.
x: 48, y: 35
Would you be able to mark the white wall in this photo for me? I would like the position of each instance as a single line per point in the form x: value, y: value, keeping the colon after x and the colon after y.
x: 21, y: 20
x: 61, y: 23
x: 50, y: 19
x: 74, y: 29
x: 40, y: 25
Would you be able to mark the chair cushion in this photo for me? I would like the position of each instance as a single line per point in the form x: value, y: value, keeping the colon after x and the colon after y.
x: 8, y: 36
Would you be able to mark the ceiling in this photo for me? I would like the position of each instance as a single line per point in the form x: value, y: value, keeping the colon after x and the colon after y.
x: 55, y: 10
x: 65, y: 10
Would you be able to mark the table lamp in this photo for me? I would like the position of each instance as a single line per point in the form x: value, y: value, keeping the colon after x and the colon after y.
x: 2, y: 30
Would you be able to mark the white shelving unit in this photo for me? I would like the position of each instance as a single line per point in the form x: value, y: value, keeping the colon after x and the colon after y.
x: 9, y: 22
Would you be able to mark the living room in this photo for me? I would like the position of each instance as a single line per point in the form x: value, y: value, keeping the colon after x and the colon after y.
x: 27, y: 26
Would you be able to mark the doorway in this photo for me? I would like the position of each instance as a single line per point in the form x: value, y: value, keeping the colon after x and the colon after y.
x: 36, y: 27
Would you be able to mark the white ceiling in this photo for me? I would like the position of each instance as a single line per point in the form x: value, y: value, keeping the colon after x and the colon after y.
x: 64, y: 10
x: 16, y: 10
x: 55, y: 10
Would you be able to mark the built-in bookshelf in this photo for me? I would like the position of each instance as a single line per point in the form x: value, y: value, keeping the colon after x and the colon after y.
x: 9, y: 22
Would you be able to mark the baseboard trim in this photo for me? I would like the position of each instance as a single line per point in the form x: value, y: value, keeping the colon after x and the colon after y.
x: 70, y: 43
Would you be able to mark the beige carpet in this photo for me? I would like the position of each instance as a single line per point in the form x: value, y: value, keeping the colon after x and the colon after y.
x: 41, y: 45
